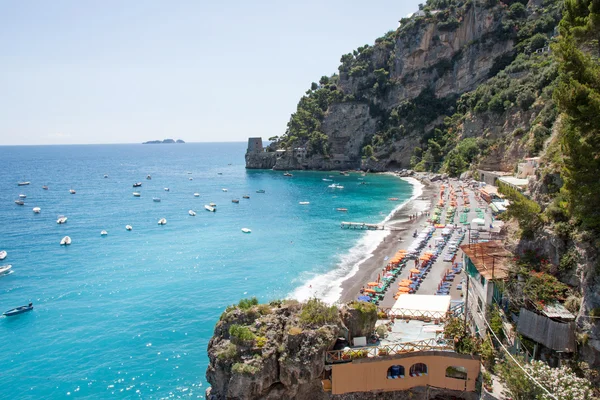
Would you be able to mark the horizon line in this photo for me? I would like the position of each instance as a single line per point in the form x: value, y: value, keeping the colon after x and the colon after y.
x: 108, y: 144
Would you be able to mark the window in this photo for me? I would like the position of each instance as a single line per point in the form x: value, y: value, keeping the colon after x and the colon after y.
x: 418, y: 369
x: 395, y: 372
x: 456, y: 373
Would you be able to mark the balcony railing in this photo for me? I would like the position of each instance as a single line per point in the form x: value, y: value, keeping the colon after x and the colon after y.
x: 405, y: 313
x: 342, y: 356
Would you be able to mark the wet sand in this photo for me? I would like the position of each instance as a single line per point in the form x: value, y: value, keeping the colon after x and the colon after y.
x: 394, y: 241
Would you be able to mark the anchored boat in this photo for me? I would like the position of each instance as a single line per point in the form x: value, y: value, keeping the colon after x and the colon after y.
x: 5, y: 269
x: 192, y: 213
x: 209, y: 208
x: 162, y: 221
x: 18, y: 310
x: 65, y: 241
x: 61, y: 219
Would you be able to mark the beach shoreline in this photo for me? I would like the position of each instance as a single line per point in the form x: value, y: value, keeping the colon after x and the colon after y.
x: 394, y: 240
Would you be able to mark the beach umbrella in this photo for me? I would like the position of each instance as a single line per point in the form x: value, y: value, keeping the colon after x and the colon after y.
x: 373, y: 284
x: 478, y: 221
x: 364, y: 298
x: 414, y: 271
x: 404, y: 284
x: 404, y: 290
x: 369, y: 291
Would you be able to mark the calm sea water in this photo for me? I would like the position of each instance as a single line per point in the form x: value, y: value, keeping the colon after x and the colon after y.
x: 129, y: 315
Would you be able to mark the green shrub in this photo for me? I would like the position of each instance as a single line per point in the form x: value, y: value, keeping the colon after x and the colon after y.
x: 241, y: 333
x: 245, y: 304
x: 244, y: 369
x: 315, y: 312
x: 228, y: 353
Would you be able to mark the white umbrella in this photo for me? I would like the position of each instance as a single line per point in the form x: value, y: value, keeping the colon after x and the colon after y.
x: 478, y: 221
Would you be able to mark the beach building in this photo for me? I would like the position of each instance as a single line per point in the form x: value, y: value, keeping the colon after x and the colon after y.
x: 515, y: 183
x: 491, y: 177
x: 528, y: 167
x: 255, y: 145
x: 414, y: 354
x: 486, y: 264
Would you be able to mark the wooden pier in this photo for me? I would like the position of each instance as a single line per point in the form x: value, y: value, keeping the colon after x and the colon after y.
x: 370, y: 227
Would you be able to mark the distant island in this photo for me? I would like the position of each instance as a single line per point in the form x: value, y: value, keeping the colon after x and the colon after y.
x: 164, y: 141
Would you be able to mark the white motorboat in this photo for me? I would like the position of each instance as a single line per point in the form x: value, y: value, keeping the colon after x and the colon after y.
x: 167, y: 189
x: 103, y: 233
x: 246, y: 230
x: 304, y: 203
x: 61, y: 219
x: 4, y: 269
x: 45, y: 187
x: 339, y: 187
x: 23, y: 183
x: 209, y: 208
x: 235, y: 201
x: 162, y: 221
x: 156, y: 199
x: 65, y: 241
x: 105, y: 176
x: 342, y: 209
x: 332, y: 186
x: 191, y: 179
x: 72, y: 191
x: 224, y: 189
x: 196, y: 194
x: 19, y: 202
x: 137, y: 184
x: 136, y: 194
x: 192, y: 213
x: 287, y: 174
x: 37, y: 210
x: 22, y: 196
x: 128, y: 227
x: 245, y: 196
x: 3, y: 254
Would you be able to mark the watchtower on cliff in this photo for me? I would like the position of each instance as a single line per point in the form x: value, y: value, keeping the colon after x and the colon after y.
x: 255, y: 145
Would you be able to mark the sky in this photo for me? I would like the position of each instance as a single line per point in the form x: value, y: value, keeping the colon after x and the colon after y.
x: 112, y: 71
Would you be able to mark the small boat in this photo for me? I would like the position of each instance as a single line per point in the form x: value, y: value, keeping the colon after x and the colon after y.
x: 224, y: 189
x: 192, y: 213
x: 220, y: 173
x: 327, y: 180
x: 128, y: 227
x: 19, y: 202
x: 4, y: 269
x: 333, y: 186
x: 236, y: 201
x: 246, y: 230
x: 22, y: 196
x: 196, y: 194
x: 339, y: 187
x: 61, y: 219
x: 72, y: 191
x: 136, y: 194
x: 189, y: 172
x: 103, y: 233
x: 65, y: 241
x: 167, y: 189
x: 105, y: 176
x: 138, y: 184
x: 287, y: 174
x: 260, y: 191
x: 156, y: 199
x: 148, y: 177
x: 3, y: 254
x: 245, y: 196
x: 37, y: 210
x: 209, y: 208
x: 162, y: 221
x: 304, y: 203
x: 212, y: 204
x: 18, y: 310
x: 191, y: 179
x: 45, y: 187
x: 23, y: 183
x: 342, y: 209
x: 393, y: 199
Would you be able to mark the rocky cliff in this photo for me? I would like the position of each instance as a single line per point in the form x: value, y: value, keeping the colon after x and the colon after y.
x: 392, y: 98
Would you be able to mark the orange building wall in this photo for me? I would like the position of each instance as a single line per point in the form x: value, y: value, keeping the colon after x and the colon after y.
x: 366, y: 375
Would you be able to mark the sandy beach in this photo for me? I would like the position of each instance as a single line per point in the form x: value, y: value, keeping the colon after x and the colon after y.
x: 396, y: 239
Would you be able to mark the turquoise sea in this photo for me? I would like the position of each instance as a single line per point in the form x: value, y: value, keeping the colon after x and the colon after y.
x: 129, y: 315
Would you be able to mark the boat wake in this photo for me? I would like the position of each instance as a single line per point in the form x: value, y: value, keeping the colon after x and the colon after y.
x: 328, y: 286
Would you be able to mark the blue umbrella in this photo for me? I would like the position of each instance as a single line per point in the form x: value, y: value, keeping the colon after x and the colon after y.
x: 364, y: 298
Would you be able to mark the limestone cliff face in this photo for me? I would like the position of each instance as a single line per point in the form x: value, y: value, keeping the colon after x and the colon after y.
x: 423, y: 57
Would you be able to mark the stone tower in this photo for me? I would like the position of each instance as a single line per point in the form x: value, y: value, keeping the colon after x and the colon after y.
x: 255, y: 145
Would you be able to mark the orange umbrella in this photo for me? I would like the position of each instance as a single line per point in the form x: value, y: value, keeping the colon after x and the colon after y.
x: 369, y: 291
x: 373, y: 284
x: 403, y: 290
x: 407, y: 280
x: 404, y: 284
x: 414, y: 271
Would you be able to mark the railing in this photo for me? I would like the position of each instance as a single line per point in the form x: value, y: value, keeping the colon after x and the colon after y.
x: 342, y: 356
x: 405, y: 313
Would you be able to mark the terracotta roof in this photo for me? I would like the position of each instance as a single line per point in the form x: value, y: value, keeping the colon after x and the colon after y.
x: 491, y: 259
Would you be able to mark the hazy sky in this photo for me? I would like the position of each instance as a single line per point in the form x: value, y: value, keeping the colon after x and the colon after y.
x: 116, y: 71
